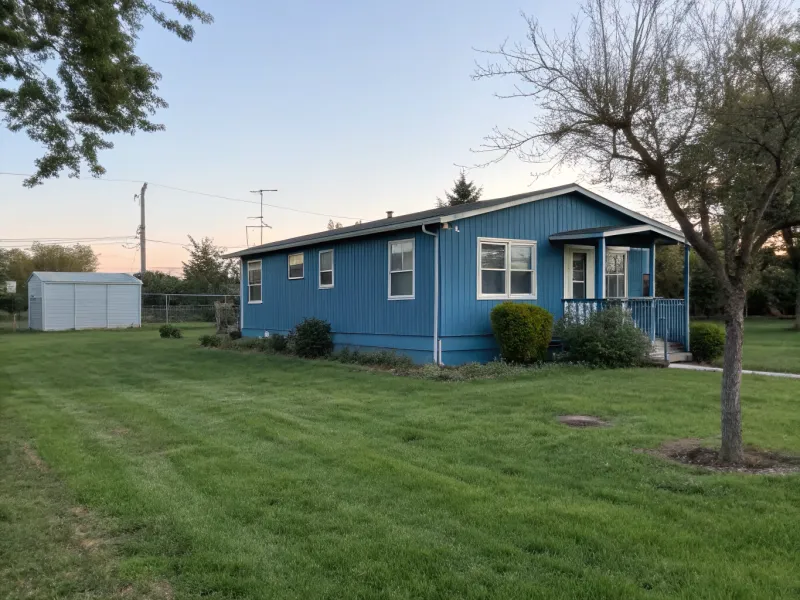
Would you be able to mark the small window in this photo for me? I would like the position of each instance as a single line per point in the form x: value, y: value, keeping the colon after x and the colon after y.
x: 296, y: 270
x: 401, y: 270
x: 326, y: 269
x: 645, y: 284
x: 507, y: 269
x: 616, y: 274
x: 254, y: 282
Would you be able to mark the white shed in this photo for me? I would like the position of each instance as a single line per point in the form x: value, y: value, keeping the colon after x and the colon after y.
x: 58, y: 301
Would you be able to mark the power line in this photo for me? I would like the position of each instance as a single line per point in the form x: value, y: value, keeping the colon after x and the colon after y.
x: 206, y: 194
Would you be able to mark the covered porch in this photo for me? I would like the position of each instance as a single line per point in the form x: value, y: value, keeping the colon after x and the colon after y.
x: 616, y: 266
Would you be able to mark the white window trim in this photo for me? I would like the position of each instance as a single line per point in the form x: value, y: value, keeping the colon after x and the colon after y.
x: 590, y: 270
x: 288, y: 265
x: 413, y: 269
x: 617, y: 250
x: 534, y: 272
x: 320, y: 271
x: 260, y: 285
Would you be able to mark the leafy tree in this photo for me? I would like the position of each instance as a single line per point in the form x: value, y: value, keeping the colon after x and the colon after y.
x: 463, y: 192
x: 18, y: 264
x: 70, y: 77
x: 694, y: 103
x: 206, y: 271
x: 791, y: 242
x: 334, y: 225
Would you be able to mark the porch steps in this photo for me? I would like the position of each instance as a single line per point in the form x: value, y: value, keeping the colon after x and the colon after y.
x: 676, y: 352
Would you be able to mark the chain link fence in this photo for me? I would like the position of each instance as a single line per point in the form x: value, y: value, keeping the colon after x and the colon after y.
x: 184, y: 308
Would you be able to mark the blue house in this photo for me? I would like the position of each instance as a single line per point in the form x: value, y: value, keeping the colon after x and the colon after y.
x: 423, y: 284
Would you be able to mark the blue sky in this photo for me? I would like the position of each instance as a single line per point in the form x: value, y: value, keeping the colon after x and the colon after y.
x: 348, y: 108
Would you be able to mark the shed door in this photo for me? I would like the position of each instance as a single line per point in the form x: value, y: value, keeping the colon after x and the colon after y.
x: 90, y: 306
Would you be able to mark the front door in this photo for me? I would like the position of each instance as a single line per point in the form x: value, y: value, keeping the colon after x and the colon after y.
x: 578, y: 272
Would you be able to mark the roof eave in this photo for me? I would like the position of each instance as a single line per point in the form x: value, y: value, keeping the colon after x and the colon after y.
x: 332, y: 238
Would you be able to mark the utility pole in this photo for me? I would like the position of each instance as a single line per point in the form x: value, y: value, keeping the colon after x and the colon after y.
x: 142, y: 236
x: 261, y: 216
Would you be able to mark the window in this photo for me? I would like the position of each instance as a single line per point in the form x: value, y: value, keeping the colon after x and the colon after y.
x: 254, y: 282
x: 401, y: 270
x: 506, y: 269
x: 616, y: 274
x: 326, y: 269
x: 296, y: 266
x: 645, y: 284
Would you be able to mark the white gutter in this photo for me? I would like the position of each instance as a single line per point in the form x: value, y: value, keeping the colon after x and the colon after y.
x: 436, y: 357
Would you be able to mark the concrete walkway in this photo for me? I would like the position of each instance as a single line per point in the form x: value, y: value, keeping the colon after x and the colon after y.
x: 689, y: 367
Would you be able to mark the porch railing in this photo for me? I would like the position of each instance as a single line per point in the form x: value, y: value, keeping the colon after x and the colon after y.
x: 663, y: 318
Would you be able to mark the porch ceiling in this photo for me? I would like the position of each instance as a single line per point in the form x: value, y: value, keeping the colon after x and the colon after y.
x: 665, y: 235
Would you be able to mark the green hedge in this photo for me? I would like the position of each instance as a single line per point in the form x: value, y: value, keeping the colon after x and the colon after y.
x: 523, y: 331
x: 707, y: 341
x: 607, y: 338
x: 169, y: 331
x: 312, y: 338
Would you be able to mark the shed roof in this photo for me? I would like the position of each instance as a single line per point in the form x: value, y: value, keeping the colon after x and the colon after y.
x: 98, y: 278
x: 444, y: 214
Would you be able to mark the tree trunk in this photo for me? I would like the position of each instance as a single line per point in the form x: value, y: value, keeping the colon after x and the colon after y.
x: 797, y: 299
x: 732, y: 450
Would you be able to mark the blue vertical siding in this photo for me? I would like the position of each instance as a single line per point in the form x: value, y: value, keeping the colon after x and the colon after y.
x: 358, y: 304
x: 462, y: 314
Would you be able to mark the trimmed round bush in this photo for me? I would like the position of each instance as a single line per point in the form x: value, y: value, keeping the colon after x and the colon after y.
x: 707, y: 341
x: 607, y: 338
x: 523, y: 331
x: 313, y: 338
x: 169, y: 331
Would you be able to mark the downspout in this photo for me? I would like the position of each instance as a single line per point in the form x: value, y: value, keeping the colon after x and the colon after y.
x: 436, y: 358
x: 241, y: 294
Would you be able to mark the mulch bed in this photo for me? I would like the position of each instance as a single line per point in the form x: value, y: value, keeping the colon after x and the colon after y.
x: 756, y: 460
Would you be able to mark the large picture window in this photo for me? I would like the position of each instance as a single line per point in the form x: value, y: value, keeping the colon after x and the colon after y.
x: 254, y: 282
x: 326, y: 269
x: 506, y: 269
x: 616, y: 274
x: 296, y: 270
x: 401, y: 270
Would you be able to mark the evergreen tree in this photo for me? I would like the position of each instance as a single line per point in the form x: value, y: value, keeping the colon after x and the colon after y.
x: 206, y: 271
x: 463, y: 192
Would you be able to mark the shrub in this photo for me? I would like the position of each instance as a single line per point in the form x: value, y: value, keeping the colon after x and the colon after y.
x: 523, y: 331
x: 210, y: 341
x: 252, y: 343
x: 380, y: 358
x: 313, y: 339
x: 607, y: 338
x: 707, y: 341
x: 169, y: 331
x: 235, y: 334
x: 278, y: 342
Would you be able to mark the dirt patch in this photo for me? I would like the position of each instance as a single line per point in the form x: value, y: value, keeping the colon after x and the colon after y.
x: 582, y: 421
x: 161, y: 590
x: 692, y: 451
x: 120, y: 431
x: 35, y: 459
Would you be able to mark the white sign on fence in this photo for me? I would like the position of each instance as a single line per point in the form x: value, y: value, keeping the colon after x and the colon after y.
x: 11, y: 287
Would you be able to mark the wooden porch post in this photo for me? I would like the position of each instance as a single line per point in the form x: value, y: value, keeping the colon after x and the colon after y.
x: 600, y: 278
x: 686, y: 264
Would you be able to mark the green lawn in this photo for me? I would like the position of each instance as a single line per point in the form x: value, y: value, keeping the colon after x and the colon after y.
x: 770, y: 345
x: 135, y: 467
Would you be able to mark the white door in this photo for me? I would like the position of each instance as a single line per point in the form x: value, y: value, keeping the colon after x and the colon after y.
x: 579, y: 272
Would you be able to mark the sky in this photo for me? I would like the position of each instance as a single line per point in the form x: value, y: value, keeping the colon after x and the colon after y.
x: 347, y: 108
